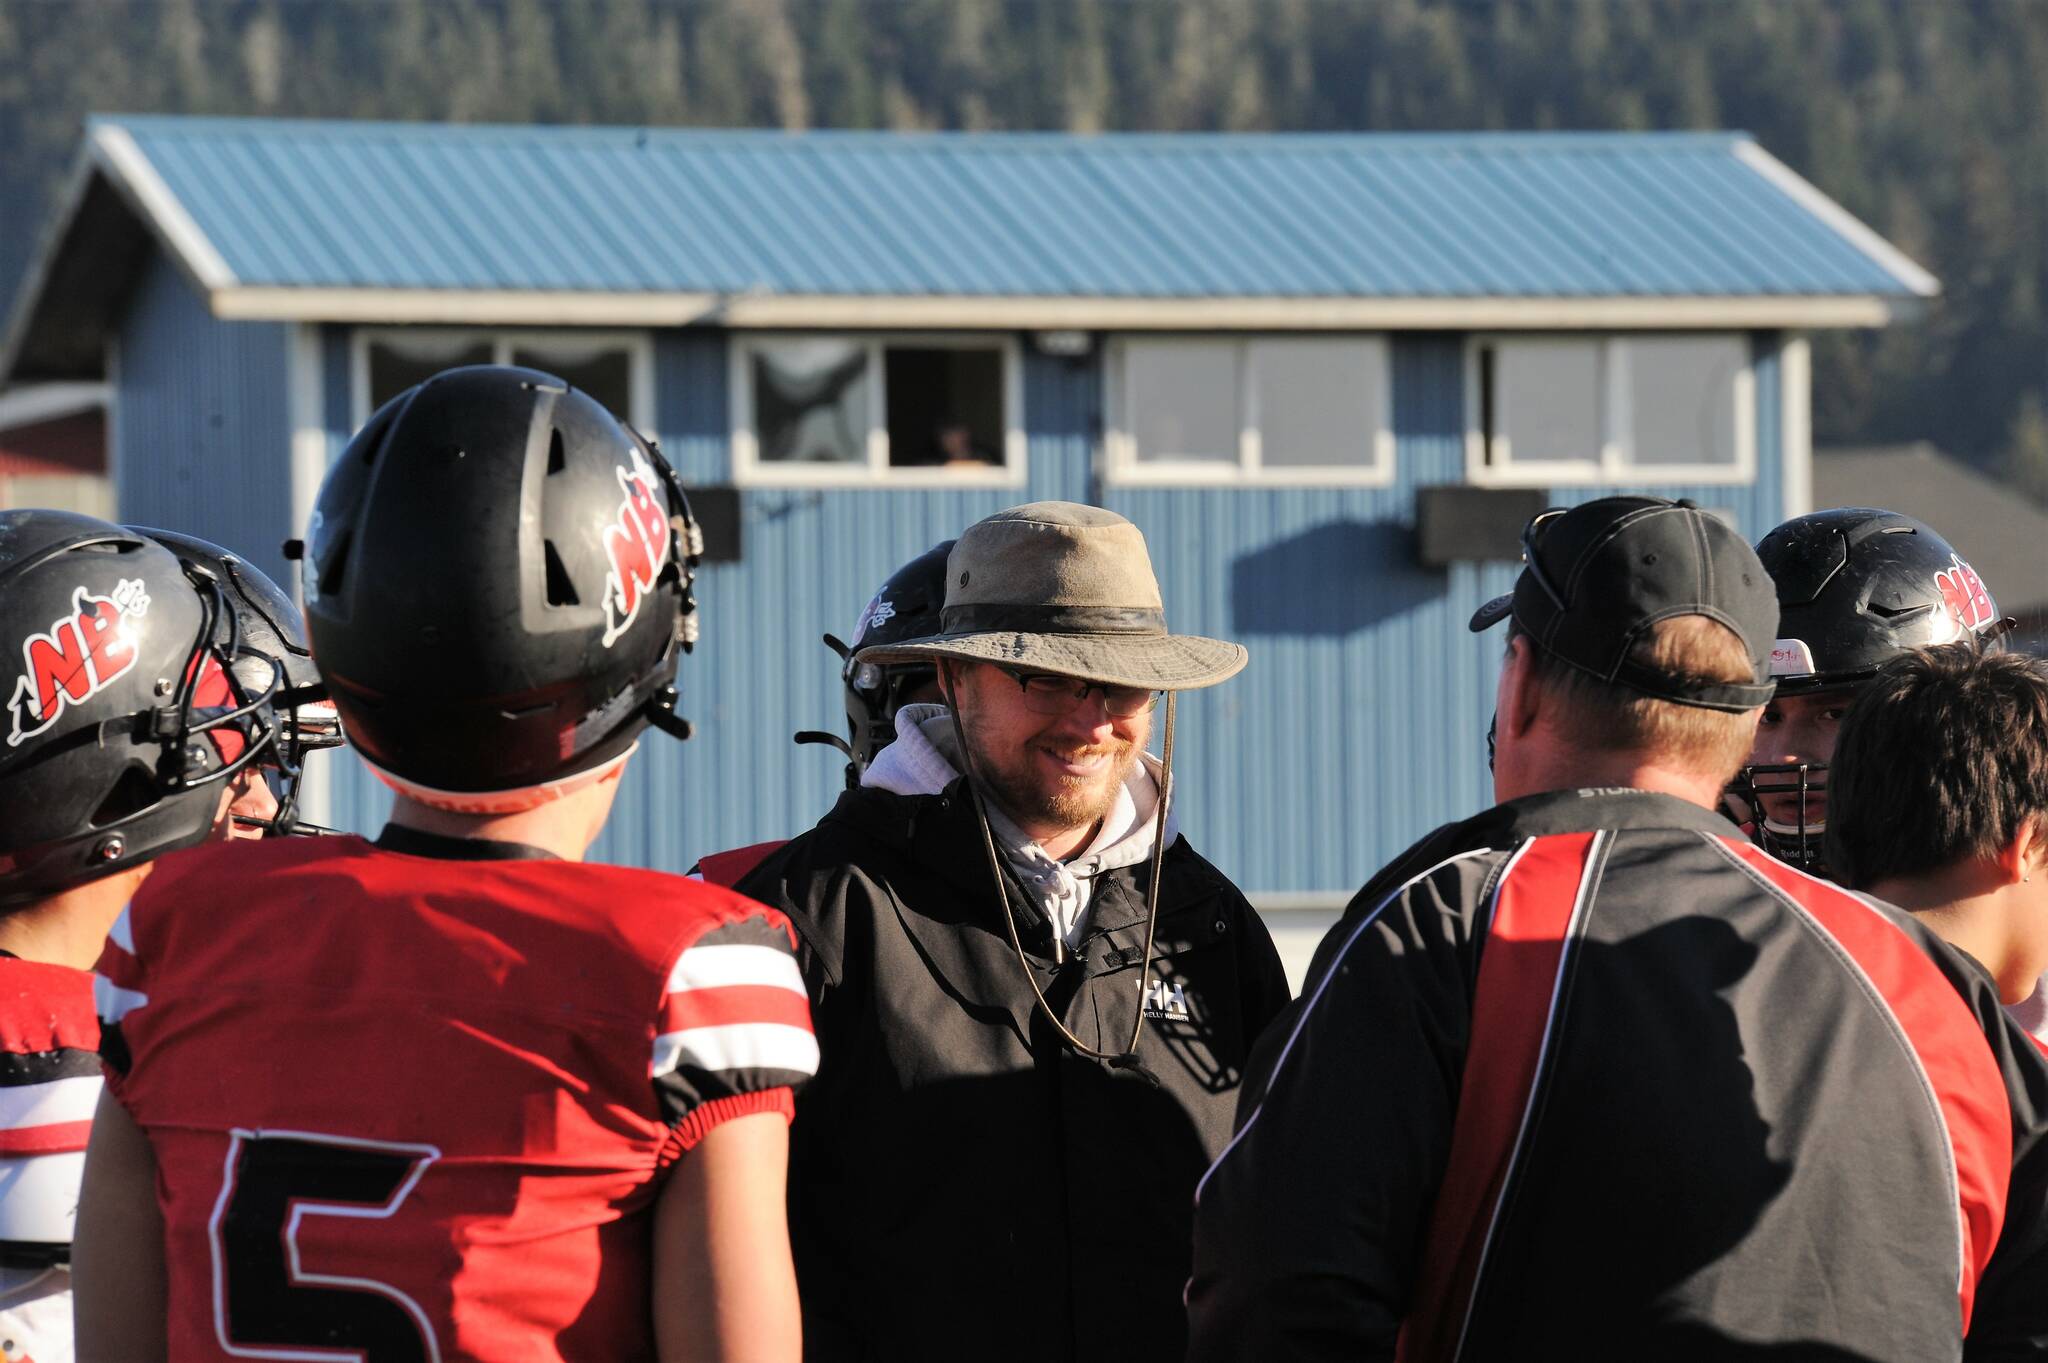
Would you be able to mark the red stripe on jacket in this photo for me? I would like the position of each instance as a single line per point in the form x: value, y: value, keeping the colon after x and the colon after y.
x: 730, y: 868
x: 1946, y: 1038
x: 50, y: 1138
x: 1518, y: 969
x: 729, y: 1004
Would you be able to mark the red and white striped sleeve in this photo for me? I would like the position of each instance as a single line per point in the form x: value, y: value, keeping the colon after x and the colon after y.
x: 49, y: 1086
x: 734, y: 1032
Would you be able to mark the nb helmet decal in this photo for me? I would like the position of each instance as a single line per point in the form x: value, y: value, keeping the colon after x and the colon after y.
x: 1965, y: 595
x: 79, y: 657
x: 636, y: 547
x: 879, y: 611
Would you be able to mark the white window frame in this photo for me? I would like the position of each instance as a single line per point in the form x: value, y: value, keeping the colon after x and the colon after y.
x: 639, y: 346
x: 1616, y: 463
x: 750, y: 470
x: 1123, y: 468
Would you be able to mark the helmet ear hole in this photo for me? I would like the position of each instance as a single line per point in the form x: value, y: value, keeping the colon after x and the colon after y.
x: 558, y: 458
x: 132, y: 793
x: 561, y: 591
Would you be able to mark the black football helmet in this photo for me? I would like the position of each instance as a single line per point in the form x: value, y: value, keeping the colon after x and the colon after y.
x: 270, y: 625
x: 498, y: 588
x: 1857, y: 587
x: 131, y: 694
x: 903, y: 609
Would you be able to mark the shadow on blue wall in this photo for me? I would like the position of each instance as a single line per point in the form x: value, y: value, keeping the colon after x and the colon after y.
x: 1336, y: 579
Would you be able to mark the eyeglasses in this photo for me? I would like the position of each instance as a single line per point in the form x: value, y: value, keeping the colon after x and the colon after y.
x: 1046, y: 693
x: 1535, y: 565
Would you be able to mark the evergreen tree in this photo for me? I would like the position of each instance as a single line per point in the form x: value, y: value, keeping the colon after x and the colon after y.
x: 1926, y: 120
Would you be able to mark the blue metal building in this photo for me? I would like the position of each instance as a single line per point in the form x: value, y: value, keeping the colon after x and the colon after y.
x: 1327, y: 375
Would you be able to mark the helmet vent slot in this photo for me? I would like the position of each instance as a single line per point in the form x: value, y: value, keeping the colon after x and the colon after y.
x: 337, y: 562
x: 561, y: 591
x: 131, y: 794
x: 558, y: 458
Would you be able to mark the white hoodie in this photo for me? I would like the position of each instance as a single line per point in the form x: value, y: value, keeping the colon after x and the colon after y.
x: 921, y: 762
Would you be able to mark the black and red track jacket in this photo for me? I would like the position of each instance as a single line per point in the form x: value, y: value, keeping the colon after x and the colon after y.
x: 1589, y: 1076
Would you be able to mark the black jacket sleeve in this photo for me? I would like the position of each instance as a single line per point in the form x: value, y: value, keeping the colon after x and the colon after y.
x: 1308, y: 1228
x: 2010, y: 1317
x: 1261, y: 975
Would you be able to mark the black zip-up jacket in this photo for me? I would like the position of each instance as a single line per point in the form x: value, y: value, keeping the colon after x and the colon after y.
x: 1590, y: 1077
x: 962, y: 1185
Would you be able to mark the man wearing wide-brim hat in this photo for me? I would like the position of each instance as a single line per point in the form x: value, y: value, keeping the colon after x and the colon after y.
x: 1034, y: 999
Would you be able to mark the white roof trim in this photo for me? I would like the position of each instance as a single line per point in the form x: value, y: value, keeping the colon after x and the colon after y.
x: 1803, y: 192
x: 132, y: 171
x: 34, y: 402
x: 952, y: 312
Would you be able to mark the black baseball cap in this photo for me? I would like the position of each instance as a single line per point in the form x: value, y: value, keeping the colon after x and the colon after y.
x: 1598, y: 576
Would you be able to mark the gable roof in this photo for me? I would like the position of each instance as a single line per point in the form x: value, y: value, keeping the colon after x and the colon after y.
x: 356, y: 221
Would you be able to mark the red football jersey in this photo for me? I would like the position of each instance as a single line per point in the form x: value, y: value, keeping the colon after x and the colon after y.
x: 412, y: 1106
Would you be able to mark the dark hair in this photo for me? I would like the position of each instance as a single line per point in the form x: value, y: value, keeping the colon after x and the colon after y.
x: 1606, y: 716
x: 1942, y: 756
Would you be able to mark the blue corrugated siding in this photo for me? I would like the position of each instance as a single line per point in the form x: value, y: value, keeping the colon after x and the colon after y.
x: 379, y: 205
x: 812, y: 560
x: 201, y: 427
x: 357, y: 801
x: 1359, y: 724
x: 1361, y: 721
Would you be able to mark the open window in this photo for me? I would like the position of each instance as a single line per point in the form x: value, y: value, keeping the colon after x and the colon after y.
x: 877, y: 410
x: 616, y: 368
x: 1563, y: 410
x: 1268, y: 409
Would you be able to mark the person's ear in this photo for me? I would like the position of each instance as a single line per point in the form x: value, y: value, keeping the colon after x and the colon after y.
x: 1521, y: 698
x: 2026, y: 856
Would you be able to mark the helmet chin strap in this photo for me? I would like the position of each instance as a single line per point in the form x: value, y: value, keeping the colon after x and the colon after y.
x: 1127, y: 1059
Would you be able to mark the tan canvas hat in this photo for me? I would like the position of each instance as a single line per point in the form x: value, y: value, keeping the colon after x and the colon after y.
x: 1060, y: 587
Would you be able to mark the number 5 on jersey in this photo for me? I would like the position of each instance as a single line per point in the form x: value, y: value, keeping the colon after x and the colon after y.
x: 266, y: 1304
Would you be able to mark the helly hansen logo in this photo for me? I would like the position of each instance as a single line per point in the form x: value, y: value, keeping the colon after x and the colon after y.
x: 636, y: 547
x: 1965, y: 595
x: 80, y: 656
x: 1166, y: 1000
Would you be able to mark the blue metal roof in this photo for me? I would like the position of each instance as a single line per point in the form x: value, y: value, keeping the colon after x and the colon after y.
x: 382, y: 206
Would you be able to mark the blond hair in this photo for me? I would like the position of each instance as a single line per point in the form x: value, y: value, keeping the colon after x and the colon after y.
x: 1603, y: 716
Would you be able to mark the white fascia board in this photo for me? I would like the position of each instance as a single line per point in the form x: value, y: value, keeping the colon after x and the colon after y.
x: 34, y: 402
x: 954, y: 312
x: 132, y: 173
x: 1858, y: 233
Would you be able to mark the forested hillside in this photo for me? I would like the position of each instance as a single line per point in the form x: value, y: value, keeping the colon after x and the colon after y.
x: 1924, y: 117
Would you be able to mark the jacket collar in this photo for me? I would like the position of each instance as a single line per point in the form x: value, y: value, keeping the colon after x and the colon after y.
x: 1581, y: 811
x: 938, y: 838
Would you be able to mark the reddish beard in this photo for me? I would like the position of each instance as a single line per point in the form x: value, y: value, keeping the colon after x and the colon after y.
x: 1031, y: 797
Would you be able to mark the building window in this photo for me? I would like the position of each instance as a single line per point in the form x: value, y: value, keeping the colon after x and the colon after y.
x: 843, y: 410
x: 615, y: 368
x: 1281, y: 409
x: 1553, y: 410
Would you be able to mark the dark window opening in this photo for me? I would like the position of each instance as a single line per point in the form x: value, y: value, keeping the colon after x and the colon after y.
x: 945, y: 406
x: 606, y: 375
x: 397, y: 365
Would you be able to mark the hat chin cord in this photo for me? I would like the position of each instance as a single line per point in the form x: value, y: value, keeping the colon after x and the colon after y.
x: 1127, y: 1059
